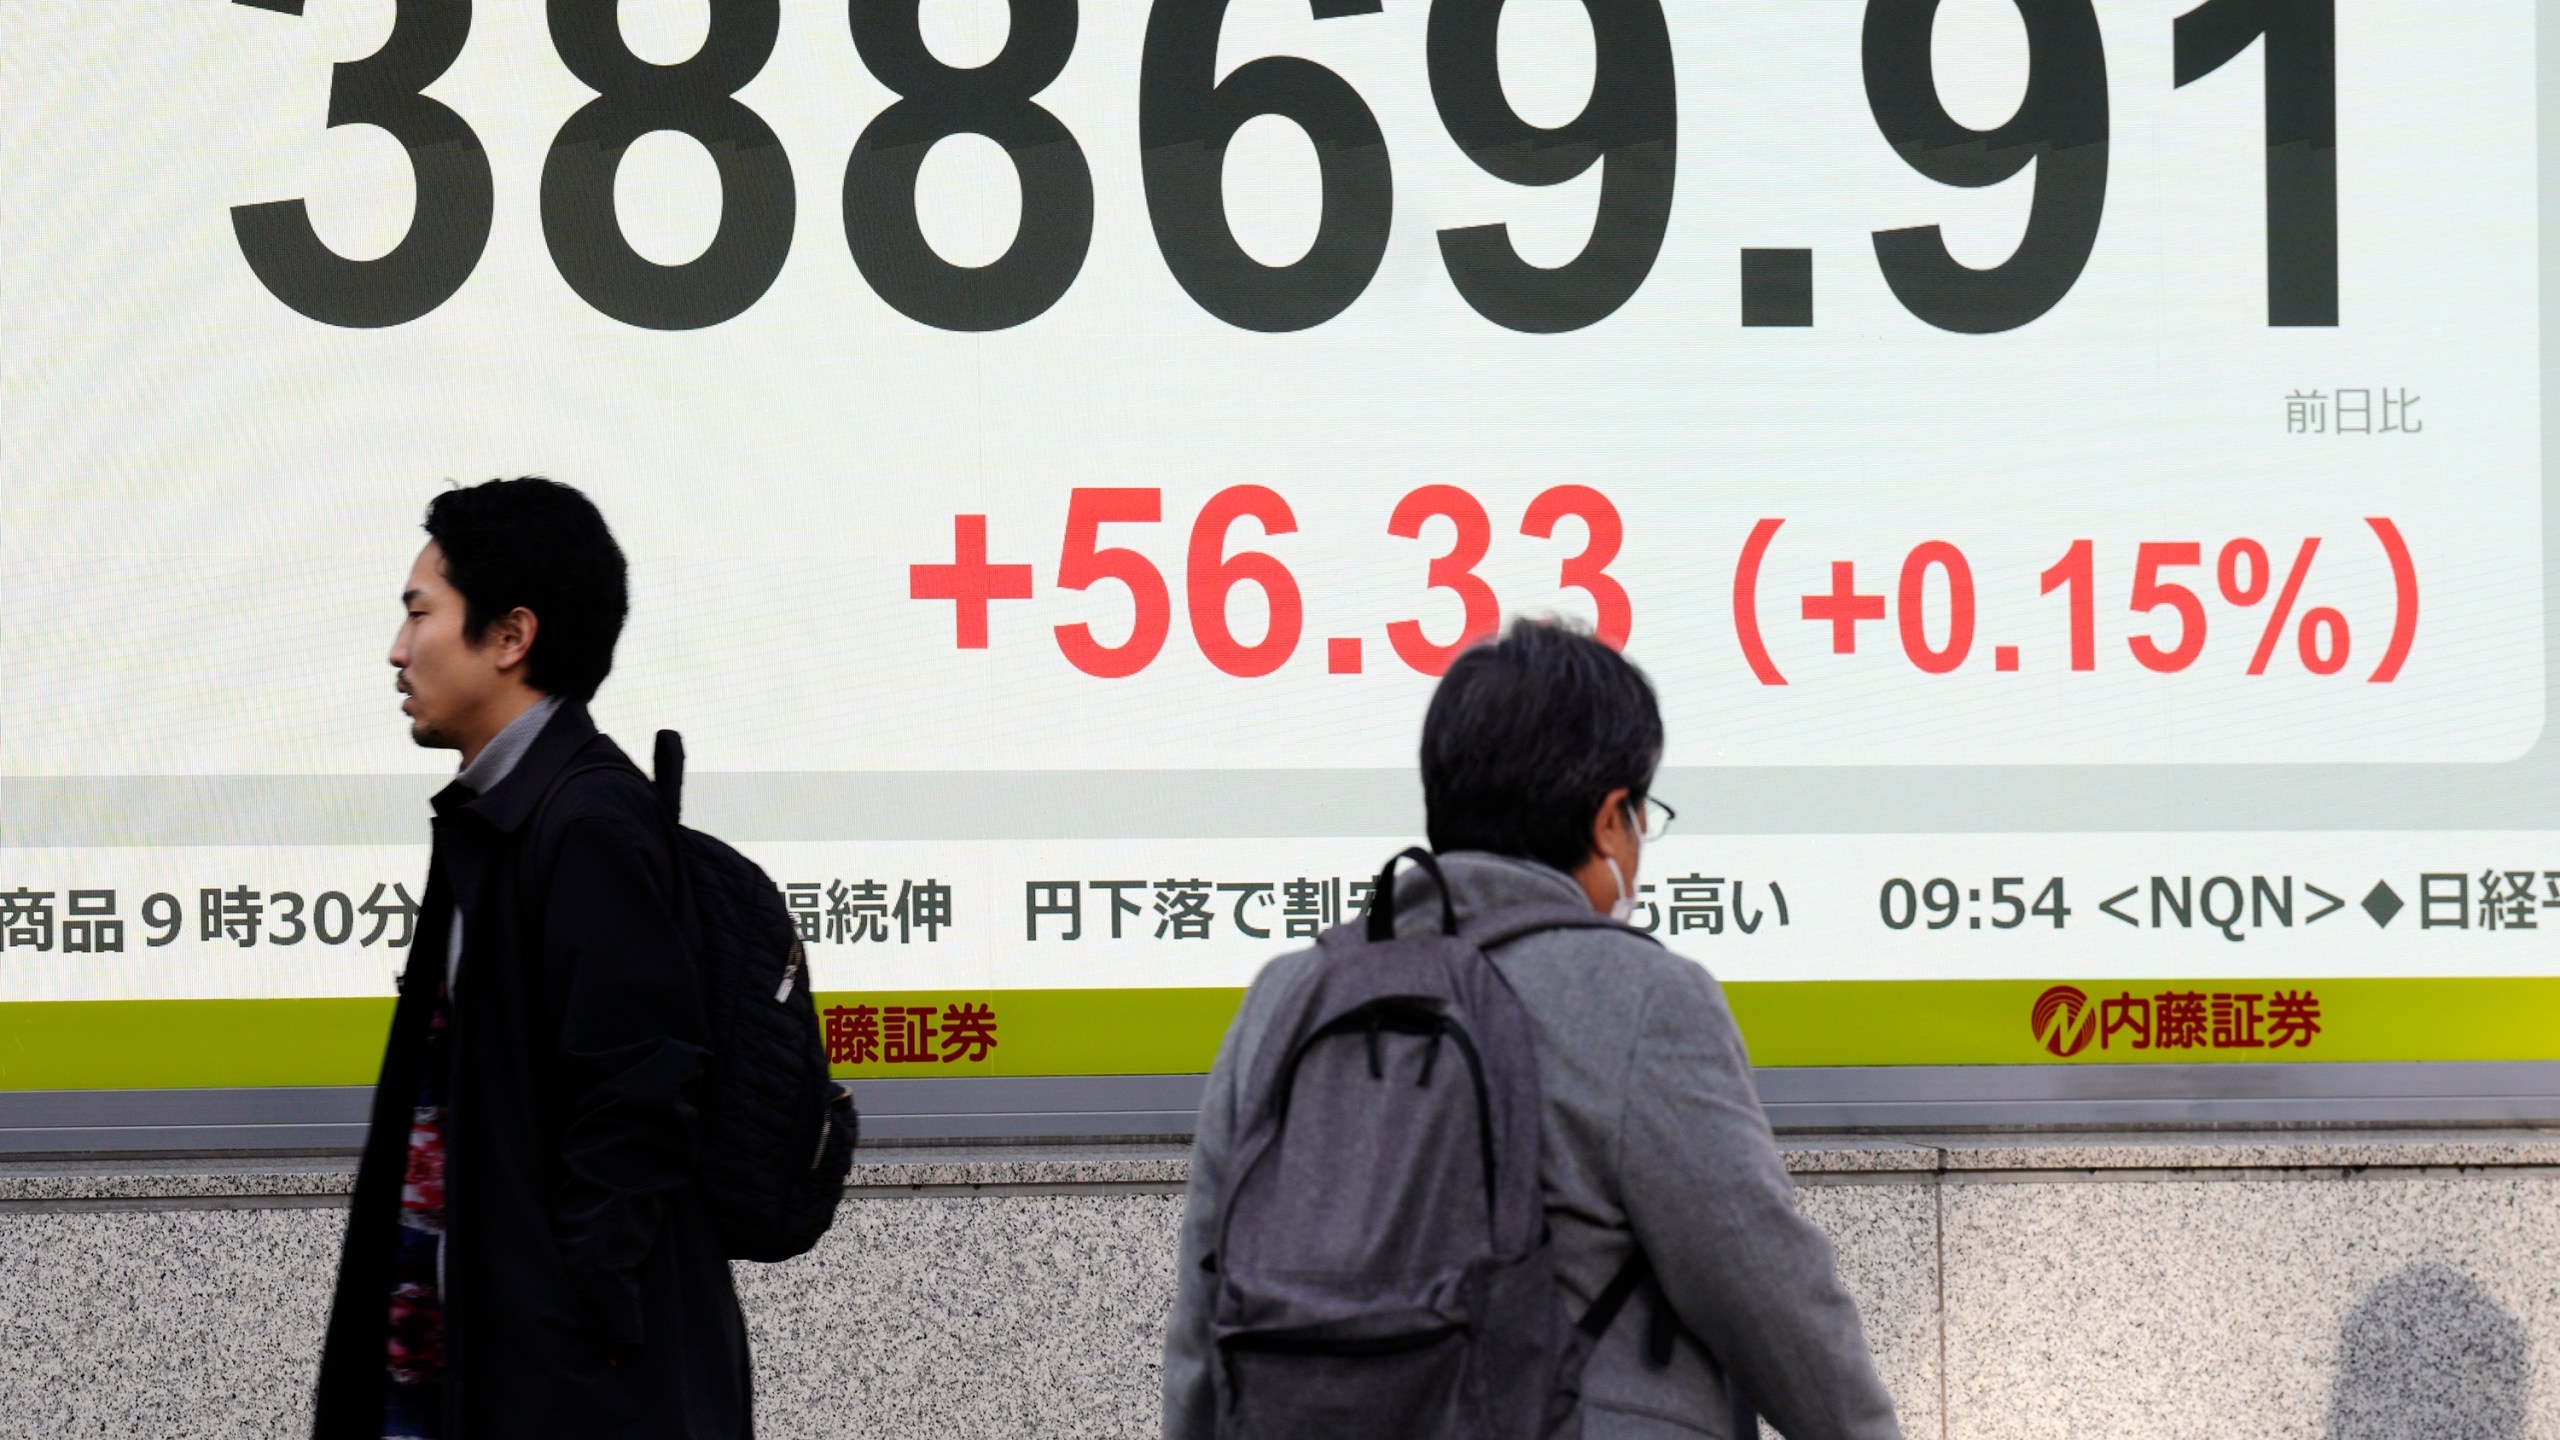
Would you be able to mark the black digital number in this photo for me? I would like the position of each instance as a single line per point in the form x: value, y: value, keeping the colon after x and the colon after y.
x: 346, y: 913
x: 696, y: 97
x: 993, y: 100
x: 288, y: 908
x: 163, y: 914
x: 1186, y: 117
x: 1186, y: 120
x: 2302, y: 138
x: 1630, y: 129
x: 2004, y: 896
x: 1909, y: 905
x: 2049, y: 903
x: 449, y: 226
x: 2060, y: 128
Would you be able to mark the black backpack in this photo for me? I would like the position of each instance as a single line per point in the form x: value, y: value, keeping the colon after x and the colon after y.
x: 777, y: 1131
x: 1381, y: 1264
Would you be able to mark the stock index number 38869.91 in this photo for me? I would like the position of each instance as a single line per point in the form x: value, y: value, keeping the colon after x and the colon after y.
x: 1186, y: 117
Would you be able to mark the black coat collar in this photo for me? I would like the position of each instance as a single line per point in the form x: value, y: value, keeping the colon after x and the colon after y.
x: 510, y: 802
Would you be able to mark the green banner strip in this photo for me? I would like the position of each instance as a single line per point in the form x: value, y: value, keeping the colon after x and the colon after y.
x: 190, y: 1044
x: 184, y: 1044
x: 2121, y: 1022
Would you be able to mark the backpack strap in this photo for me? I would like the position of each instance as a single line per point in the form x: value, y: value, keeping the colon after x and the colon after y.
x: 668, y: 782
x: 1382, y: 898
x: 1636, y: 1274
x: 1613, y: 1297
x: 1662, y: 1326
x: 666, y: 768
x: 542, y: 807
x: 535, y: 870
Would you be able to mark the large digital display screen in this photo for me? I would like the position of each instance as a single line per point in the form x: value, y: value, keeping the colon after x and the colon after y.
x: 2073, y: 470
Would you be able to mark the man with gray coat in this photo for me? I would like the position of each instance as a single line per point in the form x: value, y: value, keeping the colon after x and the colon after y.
x: 1538, y: 755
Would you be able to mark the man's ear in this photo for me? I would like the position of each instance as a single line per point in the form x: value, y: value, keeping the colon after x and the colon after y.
x: 1610, y: 821
x: 510, y: 637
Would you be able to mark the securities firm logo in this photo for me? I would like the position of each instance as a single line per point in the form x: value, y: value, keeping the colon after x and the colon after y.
x: 2064, y: 1021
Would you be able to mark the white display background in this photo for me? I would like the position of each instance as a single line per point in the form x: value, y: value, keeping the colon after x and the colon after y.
x: 211, y: 500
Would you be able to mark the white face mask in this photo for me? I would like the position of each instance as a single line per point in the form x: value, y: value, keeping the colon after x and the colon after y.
x: 1625, y: 905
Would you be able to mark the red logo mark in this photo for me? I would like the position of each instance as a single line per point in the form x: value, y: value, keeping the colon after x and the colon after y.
x: 2063, y: 1021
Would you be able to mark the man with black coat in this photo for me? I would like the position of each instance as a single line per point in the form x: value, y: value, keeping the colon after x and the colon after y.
x: 527, y: 1255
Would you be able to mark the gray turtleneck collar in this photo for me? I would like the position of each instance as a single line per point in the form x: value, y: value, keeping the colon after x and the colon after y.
x: 500, y: 755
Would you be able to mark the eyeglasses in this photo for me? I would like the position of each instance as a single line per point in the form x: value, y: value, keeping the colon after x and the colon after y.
x: 1653, y: 818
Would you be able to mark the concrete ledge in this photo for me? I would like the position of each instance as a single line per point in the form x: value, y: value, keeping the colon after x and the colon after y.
x: 1016, y: 1110
x: 879, y: 1172
x: 2347, y: 1150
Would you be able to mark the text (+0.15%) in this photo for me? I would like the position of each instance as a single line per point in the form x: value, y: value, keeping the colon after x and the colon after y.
x: 2170, y: 617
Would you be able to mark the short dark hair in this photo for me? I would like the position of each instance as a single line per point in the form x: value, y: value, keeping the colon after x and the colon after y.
x: 1527, y: 735
x: 541, y: 545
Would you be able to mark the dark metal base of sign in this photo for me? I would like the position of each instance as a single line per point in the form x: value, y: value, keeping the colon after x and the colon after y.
x: 235, y: 1122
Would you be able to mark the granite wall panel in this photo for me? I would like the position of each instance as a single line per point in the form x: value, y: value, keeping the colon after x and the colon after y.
x: 144, y: 1324
x: 2341, y: 1308
x: 1008, y: 1299
x: 1886, y: 1238
x: 967, y: 1318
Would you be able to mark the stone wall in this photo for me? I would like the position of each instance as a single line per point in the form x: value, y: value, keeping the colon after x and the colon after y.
x: 2345, y: 1285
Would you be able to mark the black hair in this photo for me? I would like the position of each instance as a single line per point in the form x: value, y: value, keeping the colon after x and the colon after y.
x: 541, y: 545
x: 1527, y: 735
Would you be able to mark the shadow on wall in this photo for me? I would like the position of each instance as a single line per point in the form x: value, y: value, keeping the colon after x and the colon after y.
x: 2429, y: 1356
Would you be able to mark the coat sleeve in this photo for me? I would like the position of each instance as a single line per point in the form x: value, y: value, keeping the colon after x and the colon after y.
x: 1712, y: 1206
x: 1190, y: 1399
x: 631, y: 1048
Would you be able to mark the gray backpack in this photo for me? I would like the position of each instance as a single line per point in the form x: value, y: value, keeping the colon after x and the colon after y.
x: 1382, y: 1266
